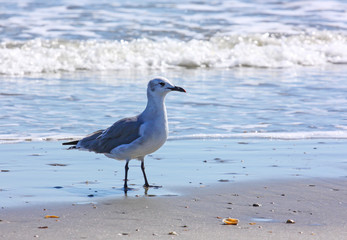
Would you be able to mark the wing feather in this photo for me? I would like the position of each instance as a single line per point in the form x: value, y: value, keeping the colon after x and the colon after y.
x: 121, y: 132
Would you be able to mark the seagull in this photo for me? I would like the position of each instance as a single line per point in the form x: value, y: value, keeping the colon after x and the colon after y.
x: 134, y: 137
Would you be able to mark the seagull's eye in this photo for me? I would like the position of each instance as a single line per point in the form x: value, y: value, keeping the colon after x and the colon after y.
x: 162, y: 84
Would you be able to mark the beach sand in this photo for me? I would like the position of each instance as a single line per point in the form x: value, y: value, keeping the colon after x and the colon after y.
x: 202, y: 184
x: 318, y: 207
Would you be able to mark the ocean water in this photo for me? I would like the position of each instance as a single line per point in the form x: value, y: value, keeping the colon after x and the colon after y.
x: 263, y: 72
x: 274, y: 69
x: 66, y: 36
x: 290, y: 103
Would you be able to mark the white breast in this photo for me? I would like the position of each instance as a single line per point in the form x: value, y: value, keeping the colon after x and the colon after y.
x: 155, y: 134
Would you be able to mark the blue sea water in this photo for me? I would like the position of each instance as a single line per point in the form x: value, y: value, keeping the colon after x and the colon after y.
x: 253, y: 71
x: 253, y: 66
x: 67, y: 36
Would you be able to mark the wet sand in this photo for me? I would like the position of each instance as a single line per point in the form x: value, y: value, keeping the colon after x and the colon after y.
x: 262, y: 183
x: 45, y: 172
x: 318, y: 207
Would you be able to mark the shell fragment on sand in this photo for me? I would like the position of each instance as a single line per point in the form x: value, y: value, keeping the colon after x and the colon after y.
x: 230, y: 221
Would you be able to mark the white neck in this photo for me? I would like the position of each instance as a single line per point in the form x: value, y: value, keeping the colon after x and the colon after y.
x: 155, y: 106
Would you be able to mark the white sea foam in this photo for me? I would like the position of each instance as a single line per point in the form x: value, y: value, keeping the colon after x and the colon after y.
x: 13, y: 138
x: 39, y: 137
x: 251, y: 50
x: 268, y: 135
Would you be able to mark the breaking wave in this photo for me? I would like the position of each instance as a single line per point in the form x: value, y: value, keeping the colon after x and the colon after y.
x: 250, y: 50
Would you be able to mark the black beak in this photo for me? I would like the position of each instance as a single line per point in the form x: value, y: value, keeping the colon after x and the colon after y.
x: 178, y: 89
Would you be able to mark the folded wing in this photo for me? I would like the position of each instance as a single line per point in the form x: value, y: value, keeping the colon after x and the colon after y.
x: 121, y: 132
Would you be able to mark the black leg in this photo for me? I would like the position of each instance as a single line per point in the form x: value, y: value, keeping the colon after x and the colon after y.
x: 126, y: 177
x: 144, y: 176
x: 144, y: 173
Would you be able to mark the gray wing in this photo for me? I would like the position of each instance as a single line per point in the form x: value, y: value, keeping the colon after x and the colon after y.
x: 121, y: 132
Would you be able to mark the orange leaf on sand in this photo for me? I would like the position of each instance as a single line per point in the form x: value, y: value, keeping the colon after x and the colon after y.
x: 230, y: 221
x: 51, y: 216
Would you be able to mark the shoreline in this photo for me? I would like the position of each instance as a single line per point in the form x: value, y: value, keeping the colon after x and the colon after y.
x: 317, y: 205
x: 79, y: 176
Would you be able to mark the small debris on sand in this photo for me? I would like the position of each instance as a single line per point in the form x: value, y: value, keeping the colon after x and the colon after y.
x: 51, y: 216
x: 230, y: 221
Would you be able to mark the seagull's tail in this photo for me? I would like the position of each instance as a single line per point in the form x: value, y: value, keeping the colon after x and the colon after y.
x: 71, y: 143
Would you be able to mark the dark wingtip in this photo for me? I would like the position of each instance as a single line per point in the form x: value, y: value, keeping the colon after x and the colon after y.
x: 71, y: 143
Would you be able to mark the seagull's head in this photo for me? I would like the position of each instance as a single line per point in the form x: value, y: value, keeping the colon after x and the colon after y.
x: 160, y: 86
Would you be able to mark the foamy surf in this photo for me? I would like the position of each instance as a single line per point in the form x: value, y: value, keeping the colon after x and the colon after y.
x: 268, y: 135
x: 202, y: 136
x: 249, y: 50
x: 16, y: 138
